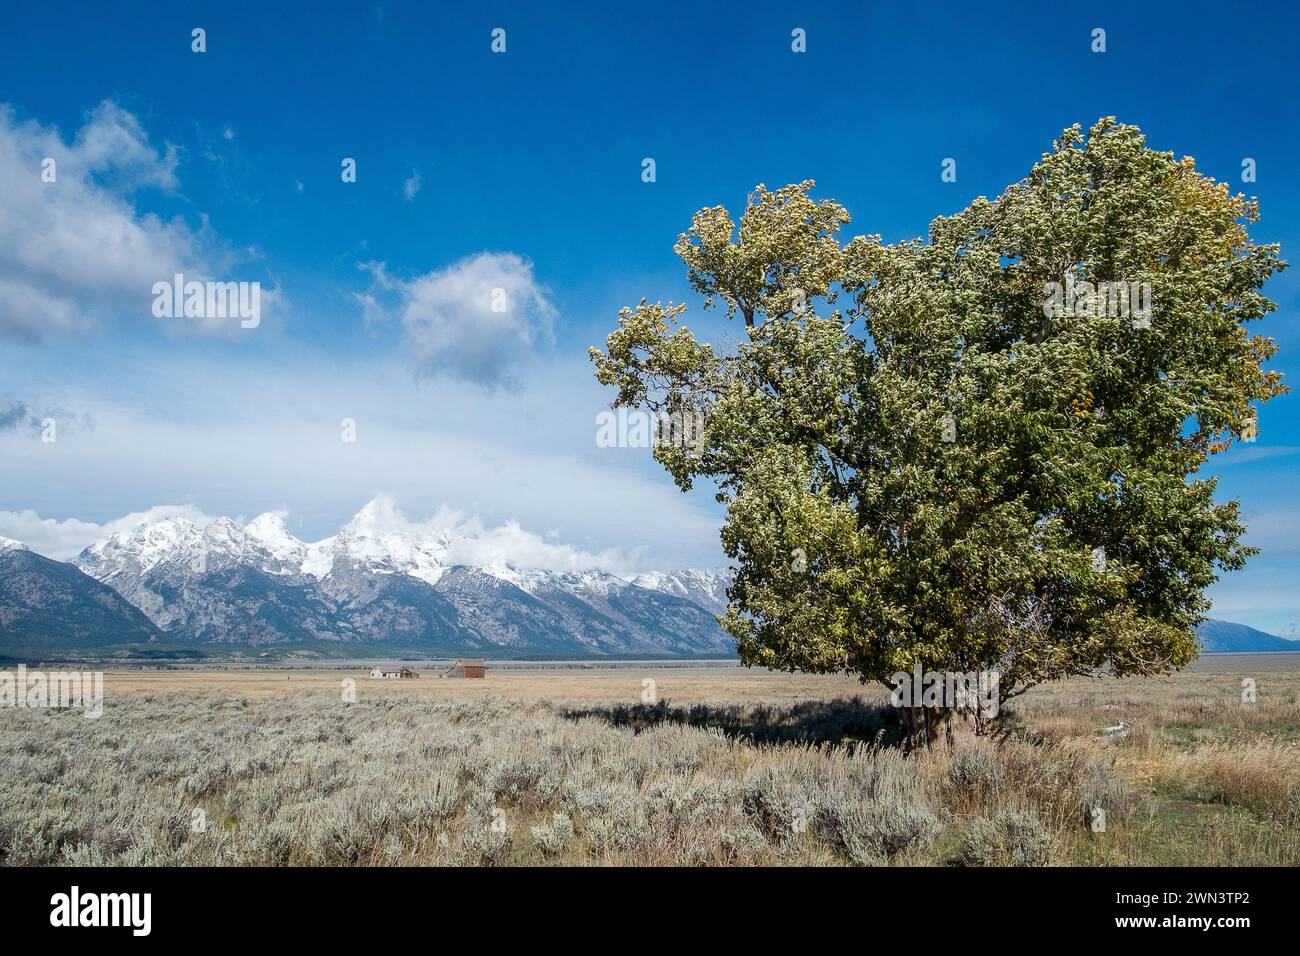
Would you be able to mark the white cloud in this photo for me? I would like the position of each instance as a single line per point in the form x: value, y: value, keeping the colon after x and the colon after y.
x: 371, y: 311
x: 511, y: 544
x: 238, y: 433
x: 411, y: 186
x: 464, y: 539
x: 76, y: 252
x: 113, y: 144
x: 66, y: 539
x: 475, y: 320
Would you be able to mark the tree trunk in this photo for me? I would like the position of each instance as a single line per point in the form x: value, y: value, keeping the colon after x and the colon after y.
x: 930, y: 726
x: 911, y: 723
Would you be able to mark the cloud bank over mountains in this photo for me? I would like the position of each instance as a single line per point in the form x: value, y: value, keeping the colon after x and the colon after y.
x: 381, y: 583
x: 449, y: 537
x: 64, y: 540
x: 464, y: 404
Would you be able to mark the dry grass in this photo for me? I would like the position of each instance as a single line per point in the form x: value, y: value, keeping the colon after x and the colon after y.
x: 568, y: 767
x: 733, y: 685
x: 1262, y: 776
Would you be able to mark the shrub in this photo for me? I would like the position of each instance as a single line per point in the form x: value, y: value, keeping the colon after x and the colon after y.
x: 869, y: 832
x: 440, y: 798
x: 552, y: 838
x: 337, y: 837
x: 740, y: 843
x: 626, y: 832
x: 776, y: 805
x: 1008, y: 838
x: 487, y: 846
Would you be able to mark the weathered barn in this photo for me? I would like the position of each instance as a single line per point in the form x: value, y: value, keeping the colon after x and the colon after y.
x: 391, y: 671
x: 464, y: 668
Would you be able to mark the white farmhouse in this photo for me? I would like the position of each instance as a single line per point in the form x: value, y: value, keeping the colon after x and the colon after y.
x: 391, y: 671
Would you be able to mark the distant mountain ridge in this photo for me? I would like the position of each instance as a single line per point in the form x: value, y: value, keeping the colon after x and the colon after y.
x: 50, y: 605
x: 258, y: 586
x: 1225, y: 637
x: 224, y: 587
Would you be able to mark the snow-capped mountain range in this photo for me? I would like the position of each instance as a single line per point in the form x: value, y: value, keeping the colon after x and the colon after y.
x: 362, y: 544
x: 377, y: 588
x: 396, y: 585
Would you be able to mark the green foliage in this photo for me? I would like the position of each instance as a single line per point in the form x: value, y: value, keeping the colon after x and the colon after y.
x: 928, y: 475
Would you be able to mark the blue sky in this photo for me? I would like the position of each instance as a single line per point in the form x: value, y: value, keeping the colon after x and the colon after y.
x: 528, y: 168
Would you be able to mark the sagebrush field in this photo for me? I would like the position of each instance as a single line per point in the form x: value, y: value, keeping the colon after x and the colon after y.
x: 729, y: 768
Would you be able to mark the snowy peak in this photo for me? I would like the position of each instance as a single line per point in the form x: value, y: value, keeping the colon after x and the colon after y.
x: 447, y: 584
x: 378, y: 539
x: 223, y: 534
x: 178, y: 545
x: 9, y: 544
x: 267, y: 533
x: 708, y: 588
x: 585, y: 582
x: 318, y: 558
x: 144, y: 547
x: 269, y: 529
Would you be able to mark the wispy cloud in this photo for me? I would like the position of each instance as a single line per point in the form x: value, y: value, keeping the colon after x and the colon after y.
x: 28, y: 418
x: 16, y: 416
x: 1275, y: 532
x: 1244, y: 454
x: 411, y: 186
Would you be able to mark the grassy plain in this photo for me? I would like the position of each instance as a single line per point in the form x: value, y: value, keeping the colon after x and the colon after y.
x: 728, y: 767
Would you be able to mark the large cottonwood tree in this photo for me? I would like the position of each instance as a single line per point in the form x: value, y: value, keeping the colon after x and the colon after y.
x: 921, y: 467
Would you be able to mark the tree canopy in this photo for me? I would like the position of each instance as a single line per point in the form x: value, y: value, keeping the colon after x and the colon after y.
x: 931, y: 455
